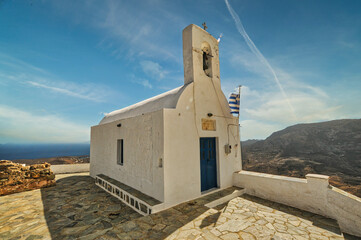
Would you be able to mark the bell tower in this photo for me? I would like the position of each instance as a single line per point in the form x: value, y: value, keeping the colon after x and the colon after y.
x: 200, y: 55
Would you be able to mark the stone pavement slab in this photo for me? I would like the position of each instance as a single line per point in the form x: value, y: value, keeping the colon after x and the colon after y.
x: 77, y: 209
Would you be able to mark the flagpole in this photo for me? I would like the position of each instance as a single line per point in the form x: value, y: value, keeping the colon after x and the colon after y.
x: 239, y: 111
x: 239, y: 94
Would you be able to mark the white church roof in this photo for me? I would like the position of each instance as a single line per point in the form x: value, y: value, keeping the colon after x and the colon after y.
x: 165, y: 100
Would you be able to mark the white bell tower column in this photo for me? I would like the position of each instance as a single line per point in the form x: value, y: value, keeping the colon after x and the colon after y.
x: 200, y: 55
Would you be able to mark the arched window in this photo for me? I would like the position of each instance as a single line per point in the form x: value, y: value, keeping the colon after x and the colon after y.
x: 207, y: 59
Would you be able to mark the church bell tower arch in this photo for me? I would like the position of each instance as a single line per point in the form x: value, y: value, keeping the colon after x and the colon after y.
x: 200, y: 55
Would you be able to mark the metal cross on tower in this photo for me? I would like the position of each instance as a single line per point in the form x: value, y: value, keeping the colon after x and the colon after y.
x: 204, y: 26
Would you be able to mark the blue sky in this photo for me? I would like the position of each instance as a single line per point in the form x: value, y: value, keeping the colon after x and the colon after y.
x: 63, y: 64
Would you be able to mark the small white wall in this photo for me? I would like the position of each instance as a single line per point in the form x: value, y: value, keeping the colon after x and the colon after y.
x: 143, y: 147
x: 312, y: 194
x: 70, y: 168
x: 346, y: 209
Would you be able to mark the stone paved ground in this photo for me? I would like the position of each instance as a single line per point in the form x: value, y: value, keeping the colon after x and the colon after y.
x: 77, y: 209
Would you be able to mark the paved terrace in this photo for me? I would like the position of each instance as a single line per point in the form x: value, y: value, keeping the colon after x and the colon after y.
x: 77, y: 209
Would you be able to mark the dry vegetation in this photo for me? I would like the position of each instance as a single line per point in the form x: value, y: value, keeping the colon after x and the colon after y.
x: 55, y: 160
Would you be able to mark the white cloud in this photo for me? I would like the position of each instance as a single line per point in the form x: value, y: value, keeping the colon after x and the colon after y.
x: 308, y: 108
x: 20, y: 72
x: 126, y: 29
x: 153, y: 69
x: 263, y: 107
x: 241, y: 56
x: 87, y: 91
x: 143, y: 34
x: 259, y: 55
x: 23, y: 126
x: 254, y: 129
x: 265, y: 111
x: 18, y: 64
x: 272, y: 107
x: 141, y: 81
x: 144, y: 82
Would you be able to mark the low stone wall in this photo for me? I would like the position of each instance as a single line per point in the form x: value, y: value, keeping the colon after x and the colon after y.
x: 15, y: 177
x: 312, y: 194
x: 70, y: 168
x: 346, y: 209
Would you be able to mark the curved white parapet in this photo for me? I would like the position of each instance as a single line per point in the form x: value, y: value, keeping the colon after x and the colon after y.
x: 313, y: 194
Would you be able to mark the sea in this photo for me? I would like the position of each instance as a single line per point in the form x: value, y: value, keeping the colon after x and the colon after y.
x: 33, y: 151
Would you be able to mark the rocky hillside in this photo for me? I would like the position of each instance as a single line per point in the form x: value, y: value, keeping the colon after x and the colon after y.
x: 332, y: 148
x: 15, y: 177
x: 56, y: 160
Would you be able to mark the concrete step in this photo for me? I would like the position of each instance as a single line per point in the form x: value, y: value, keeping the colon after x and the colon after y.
x: 236, y: 193
x: 133, y: 198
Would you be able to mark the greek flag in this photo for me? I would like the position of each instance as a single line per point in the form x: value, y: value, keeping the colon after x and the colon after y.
x: 234, y: 103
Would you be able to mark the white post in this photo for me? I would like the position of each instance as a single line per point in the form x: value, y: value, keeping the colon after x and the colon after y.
x: 239, y: 111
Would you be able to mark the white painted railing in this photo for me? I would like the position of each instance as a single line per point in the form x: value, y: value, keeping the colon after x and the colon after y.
x: 312, y: 194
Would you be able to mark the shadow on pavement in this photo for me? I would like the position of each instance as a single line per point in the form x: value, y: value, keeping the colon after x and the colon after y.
x: 77, y: 209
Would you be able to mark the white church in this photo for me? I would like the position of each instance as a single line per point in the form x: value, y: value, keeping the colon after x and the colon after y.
x: 185, y: 143
x: 173, y: 147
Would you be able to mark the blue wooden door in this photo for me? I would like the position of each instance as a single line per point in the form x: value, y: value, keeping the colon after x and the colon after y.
x: 208, y: 163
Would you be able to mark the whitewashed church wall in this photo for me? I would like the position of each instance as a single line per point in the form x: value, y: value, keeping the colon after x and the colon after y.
x: 313, y: 194
x: 182, y: 131
x: 143, y: 148
x: 181, y: 171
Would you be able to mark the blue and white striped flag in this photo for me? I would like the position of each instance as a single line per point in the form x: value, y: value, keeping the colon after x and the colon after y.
x: 234, y: 103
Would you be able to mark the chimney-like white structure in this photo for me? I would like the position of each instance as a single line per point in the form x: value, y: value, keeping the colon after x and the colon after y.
x: 200, y: 55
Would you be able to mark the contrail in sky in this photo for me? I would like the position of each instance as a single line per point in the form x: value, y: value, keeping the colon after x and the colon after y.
x: 255, y: 50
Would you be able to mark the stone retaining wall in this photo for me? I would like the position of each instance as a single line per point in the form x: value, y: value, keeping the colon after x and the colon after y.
x: 15, y: 177
x: 313, y: 194
x: 70, y: 168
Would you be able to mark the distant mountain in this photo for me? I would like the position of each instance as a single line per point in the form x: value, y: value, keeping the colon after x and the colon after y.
x: 332, y: 148
x: 249, y: 142
x: 56, y: 160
